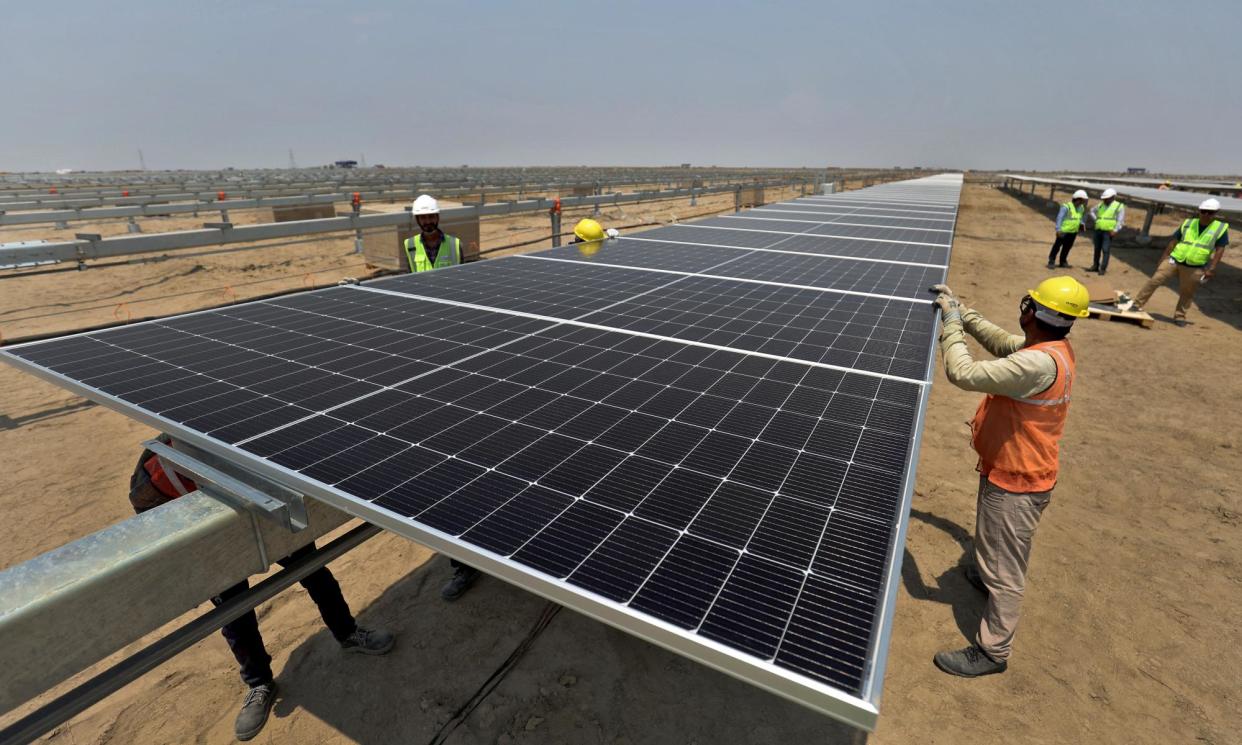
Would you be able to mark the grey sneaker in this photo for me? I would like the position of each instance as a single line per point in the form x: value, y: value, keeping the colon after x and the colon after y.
x: 463, y: 578
x: 970, y: 662
x: 254, y: 711
x: 369, y: 641
x: 974, y: 578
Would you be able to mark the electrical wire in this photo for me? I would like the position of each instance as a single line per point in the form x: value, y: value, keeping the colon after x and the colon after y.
x: 463, y: 712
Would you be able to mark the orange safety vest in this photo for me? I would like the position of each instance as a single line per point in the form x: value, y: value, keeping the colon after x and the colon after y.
x: 1017, y: 439
x: 171, y: 485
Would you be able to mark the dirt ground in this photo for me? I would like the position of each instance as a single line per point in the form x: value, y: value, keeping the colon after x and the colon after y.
x: 1129, y: 631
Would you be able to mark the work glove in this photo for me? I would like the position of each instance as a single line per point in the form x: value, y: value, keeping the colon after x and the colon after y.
x: 948, y: 302
x: 613, y: 232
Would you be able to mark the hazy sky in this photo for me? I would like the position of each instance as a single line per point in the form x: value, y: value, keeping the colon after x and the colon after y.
x: 998, y: 84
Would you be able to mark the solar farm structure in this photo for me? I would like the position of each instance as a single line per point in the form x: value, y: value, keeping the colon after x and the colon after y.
x: 704, y: 435
x: 1152, y: 200
x: 35, y: 201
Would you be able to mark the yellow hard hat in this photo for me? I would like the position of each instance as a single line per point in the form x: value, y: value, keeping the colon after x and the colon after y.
x: 589, y: 230
x: 1065, y: 295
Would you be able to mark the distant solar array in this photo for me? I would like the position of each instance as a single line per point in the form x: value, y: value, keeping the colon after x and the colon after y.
x: 704, y: 434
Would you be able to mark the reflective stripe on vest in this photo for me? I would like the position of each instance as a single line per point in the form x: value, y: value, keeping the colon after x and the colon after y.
x: 1106, y: 216
x: 1195, y: 248
x: 448, y: 255
x: 1073, y: 218
x: 1017, y: 439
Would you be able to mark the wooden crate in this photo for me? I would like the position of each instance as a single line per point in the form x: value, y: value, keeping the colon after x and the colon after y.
x: 1113, y: 313
x: 751, y: 196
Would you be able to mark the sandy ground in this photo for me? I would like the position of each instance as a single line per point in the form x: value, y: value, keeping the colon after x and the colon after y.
x: 1129, y: 632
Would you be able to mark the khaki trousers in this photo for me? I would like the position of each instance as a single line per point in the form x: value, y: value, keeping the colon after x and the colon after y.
x: 1005, y: 525
x: 1187, y: 285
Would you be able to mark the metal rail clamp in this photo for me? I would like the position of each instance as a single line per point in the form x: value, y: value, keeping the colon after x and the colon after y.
x: 236, y: 487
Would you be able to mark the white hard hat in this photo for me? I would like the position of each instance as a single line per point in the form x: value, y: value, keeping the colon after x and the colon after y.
x: 1210, y: 204
x: 1080, y: 194
x: 1109, y: 192
x: 426, y: 205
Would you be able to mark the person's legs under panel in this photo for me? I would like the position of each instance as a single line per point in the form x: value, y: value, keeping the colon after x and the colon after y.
x: 326, y: 592
x: 245, y: 641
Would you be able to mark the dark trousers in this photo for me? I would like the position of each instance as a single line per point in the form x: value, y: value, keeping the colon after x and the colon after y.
x: 243, y: 635
x: 1063, y: 243
x: 1103, y: 241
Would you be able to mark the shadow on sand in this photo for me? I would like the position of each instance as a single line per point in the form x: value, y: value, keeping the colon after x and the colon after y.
x: 951, y: 587
x: 580, y: 681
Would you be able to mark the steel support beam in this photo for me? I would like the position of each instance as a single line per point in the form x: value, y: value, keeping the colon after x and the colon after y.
x: 79, y: 603
x: 99, y: 687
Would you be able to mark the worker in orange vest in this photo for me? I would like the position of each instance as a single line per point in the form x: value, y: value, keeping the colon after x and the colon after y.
x: 149, y: 487
x: 1016, y: 432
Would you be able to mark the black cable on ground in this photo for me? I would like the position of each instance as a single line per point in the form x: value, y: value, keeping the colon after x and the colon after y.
x: 463, y: 712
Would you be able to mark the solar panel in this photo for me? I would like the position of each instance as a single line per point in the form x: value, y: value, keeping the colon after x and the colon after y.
x: 710, y: 447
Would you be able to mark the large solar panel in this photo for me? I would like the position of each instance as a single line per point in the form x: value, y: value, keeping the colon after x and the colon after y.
x: 706, y: 444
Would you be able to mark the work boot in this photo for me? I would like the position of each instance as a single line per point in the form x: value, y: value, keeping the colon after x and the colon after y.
x: 1102, y: 272
x: 1093, y: 268
x: 463, y: 578
x: 254, y: 711
x: 1051, y: 265
x: 1181, y: 323
x: 970, y: 662
x: 974, y: 578
x: 369, y: 641
x: 1065, y: 265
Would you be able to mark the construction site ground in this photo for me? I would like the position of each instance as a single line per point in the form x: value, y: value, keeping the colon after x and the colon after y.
x: 1129, y: 633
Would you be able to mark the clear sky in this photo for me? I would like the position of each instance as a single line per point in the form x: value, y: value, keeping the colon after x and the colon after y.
x: 995, y: 84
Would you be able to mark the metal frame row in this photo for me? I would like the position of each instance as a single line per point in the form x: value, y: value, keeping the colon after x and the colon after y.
x: 92, y: 246
x: 1152, y: 200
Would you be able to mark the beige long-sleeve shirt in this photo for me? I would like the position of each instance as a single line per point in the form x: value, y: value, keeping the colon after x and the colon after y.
x: 1017, y: 372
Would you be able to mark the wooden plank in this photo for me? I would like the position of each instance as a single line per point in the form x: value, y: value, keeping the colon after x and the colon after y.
x: 1111, y: 313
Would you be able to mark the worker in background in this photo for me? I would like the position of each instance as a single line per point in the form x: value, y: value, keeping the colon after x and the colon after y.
x: 1069, y: 223
x: 433, y: 249
x: 589, y: 236
x: 1107, y: 217
x: 150, y: 486
x: 1192, y: 254
x: 1016, y: 431
x: 430, y: 248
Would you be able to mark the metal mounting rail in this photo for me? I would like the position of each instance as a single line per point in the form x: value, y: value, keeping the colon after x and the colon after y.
x: 126, y: 245
x: 288, y: 510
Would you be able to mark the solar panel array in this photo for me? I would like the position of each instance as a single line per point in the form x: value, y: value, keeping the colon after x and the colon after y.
x: 703, y: 434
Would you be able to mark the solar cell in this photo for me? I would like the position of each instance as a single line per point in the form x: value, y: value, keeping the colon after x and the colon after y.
x: 719, y: 465
x: 856, y: 229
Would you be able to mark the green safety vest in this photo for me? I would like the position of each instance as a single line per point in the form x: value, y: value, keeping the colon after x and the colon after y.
x: 1196, y: 247
x: 416, y: 255
x: 1073, y: 218
x: 1106, y: 216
